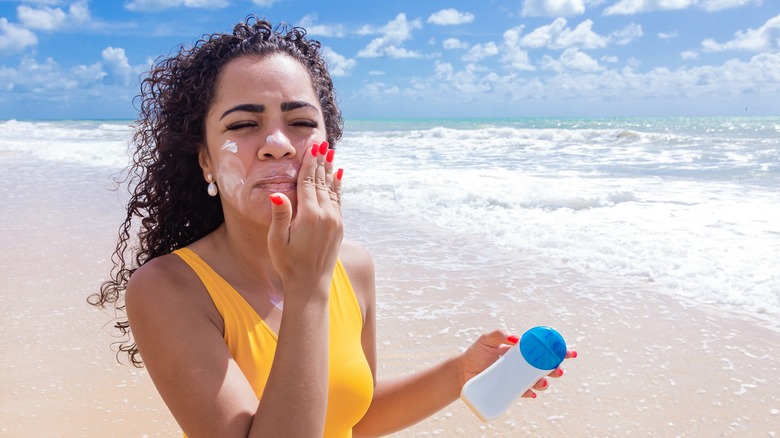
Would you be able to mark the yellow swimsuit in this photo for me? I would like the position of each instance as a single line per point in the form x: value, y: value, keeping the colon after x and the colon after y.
x: 253, y: 344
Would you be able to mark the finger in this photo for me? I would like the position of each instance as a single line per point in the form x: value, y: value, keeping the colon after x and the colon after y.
x: 337, y: 186
x: 320, y: 180
x: 330, y: 155
x: 558, y: 372
x: 541, y: 385
x: 306, y: 191
x: 529, y: 394
x: 571, y: 354
x: 495, y: 338
x: 281, y: 215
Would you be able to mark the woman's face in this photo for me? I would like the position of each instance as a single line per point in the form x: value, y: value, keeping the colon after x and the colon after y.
x: 264, y: 117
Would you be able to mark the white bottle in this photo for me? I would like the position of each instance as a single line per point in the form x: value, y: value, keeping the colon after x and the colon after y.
x: 539, y: 351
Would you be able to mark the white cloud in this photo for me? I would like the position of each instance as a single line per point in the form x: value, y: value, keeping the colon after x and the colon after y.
x: 393, y: 34
x: 400, y: 52
x: 481, y: 51
x: 571, y: 60
x: 513, y: 56
x: 630, y: 7
x: 471, y: 81
x: 14, y: 38
x: 265, y: 3
x: 553, y: 8
x: 626, y: 35
x: 668, y: 35
x: 38, y: 78
x: 689, y: 54
x: 338, y: 65
x: 322, y: 30
x: 454, y: 44
x: 697, y: 89
x: 557, y: 36
x: 376, y: 73
x: 117, y: 63
x: 88, y: 74
x: 159, y: 5
x: 377, y: 91
x: 51, y: 19
x: 45, y: 18
x: 717, y: 5
x: 766, y: 37
x: 449, y: 17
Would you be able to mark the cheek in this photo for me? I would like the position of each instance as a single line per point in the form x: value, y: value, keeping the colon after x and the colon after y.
x: 232, y: 176
x: 303, y: 145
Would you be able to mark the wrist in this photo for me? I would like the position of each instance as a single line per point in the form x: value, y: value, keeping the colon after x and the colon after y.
x: 456, y: 367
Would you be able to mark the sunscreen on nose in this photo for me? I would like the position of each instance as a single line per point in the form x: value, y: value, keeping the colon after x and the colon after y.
x: 277, y: 138
x: 539, y: 351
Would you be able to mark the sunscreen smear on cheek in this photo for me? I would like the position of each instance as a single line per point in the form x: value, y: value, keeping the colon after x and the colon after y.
x: 230, y: 146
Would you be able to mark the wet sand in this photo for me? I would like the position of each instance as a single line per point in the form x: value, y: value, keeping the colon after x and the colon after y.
x: 649, y: 364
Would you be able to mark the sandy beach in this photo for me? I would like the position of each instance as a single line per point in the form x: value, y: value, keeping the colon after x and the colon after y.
x: 649, y: 365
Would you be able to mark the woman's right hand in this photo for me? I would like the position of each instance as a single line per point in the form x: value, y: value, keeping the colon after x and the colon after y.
x: 304, y: 248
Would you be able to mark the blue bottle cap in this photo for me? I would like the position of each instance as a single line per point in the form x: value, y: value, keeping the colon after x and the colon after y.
x: 543, y: 348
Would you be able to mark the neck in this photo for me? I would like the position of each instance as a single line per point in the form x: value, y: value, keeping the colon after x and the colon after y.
x: 243, y: 256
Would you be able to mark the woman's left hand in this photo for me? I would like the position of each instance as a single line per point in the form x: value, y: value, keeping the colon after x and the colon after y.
x: 488, y: 348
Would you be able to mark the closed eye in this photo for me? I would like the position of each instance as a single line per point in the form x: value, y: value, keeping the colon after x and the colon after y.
x: 240, y: 125
x: 305, y: 123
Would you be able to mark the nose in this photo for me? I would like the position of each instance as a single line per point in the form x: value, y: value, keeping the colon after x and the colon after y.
x: 276, y: 146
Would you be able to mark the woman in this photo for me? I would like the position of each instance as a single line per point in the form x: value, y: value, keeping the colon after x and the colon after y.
x: 251, y: 314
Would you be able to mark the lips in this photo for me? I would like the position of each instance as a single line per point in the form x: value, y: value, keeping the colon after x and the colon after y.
x: 276, y: 185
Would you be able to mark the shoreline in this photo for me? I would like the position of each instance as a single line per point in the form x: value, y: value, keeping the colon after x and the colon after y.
x: 648, y: 363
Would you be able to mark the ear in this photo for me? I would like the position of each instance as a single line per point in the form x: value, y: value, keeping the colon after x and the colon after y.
x: 204, y: 160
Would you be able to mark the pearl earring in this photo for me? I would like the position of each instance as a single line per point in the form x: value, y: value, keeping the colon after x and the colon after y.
x: 212, y: 188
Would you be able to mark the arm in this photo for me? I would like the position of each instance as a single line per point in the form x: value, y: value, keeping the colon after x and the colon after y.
x: 427, y: 391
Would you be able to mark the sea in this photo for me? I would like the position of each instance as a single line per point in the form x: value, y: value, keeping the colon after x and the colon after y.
x: 689, y: 205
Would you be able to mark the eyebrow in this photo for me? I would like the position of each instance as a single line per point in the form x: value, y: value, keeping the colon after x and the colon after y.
x: 258, y: 108
x: 248, y: 107
x: 294, y: 105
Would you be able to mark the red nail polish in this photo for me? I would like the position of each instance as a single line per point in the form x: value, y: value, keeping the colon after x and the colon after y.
x: 544, y: 384
x: 331, y: 153
x: 560, y: 372
x: 314, y: 150
x: 573, y: 354
x: 512, y: 339
x: 339, y: 174
x: 276, y: 199
x: 533, y: 395
x: 323, y: 147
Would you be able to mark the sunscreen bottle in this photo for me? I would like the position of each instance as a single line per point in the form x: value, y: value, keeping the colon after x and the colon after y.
x: 539, y: 351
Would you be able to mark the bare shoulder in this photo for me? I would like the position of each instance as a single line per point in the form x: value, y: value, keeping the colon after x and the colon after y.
x: 357, y: 261
x: 159, y: 279
x: 360, y: 268
x: 164, y: 288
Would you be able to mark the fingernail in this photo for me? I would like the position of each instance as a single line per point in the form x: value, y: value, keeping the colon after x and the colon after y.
x: 573, y: 354
x: 512, y: 339
x: 331, y: 153
x: 314, y: 150
x: 533, y: 395
x: 323, y: 147
x: 276, y: 199
x: 339, y: 174
x: 560, y: 372
x: 544, y: 384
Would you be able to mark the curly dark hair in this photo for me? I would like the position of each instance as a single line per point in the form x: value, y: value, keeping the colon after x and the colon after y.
x: 173, y: 207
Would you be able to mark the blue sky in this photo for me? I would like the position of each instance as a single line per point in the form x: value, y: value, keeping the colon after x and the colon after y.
x: 435, y: 58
